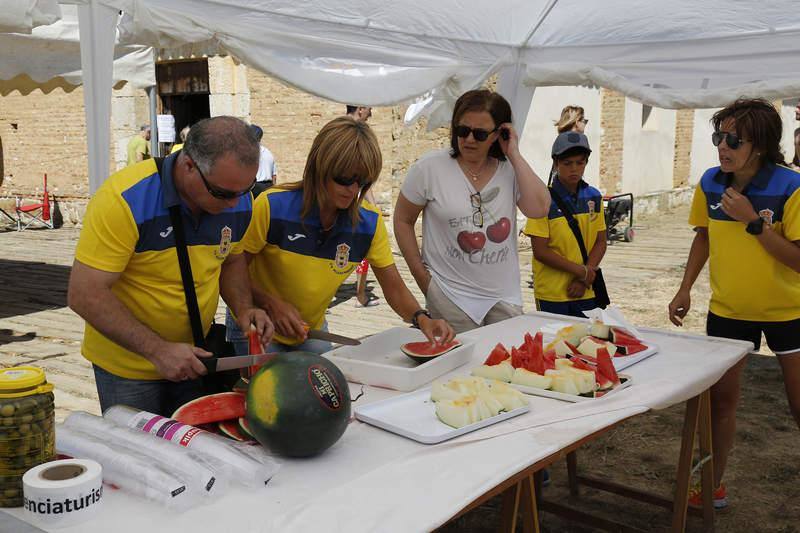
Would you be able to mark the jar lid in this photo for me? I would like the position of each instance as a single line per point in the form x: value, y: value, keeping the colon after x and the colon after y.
x: 21, y: 381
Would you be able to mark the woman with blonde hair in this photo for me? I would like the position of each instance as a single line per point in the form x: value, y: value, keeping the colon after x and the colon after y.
x: 307, y: 237
x: 572, y: 119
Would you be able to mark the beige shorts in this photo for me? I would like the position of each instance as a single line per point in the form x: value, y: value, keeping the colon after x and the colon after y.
x: 440, y: 306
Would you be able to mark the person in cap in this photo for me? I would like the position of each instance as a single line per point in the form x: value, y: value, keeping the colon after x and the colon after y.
x: 562, y: 280
x: 746, y: 217
x: 468, y: 268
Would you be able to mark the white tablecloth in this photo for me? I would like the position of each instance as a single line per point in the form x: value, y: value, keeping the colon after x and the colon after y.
x: 372, y: 480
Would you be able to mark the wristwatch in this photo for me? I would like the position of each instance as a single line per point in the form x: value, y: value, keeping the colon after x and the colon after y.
x: 417, y: 313
x: 755, y: 227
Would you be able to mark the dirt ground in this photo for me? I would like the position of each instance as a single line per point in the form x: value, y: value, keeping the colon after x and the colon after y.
x: 763, y: 473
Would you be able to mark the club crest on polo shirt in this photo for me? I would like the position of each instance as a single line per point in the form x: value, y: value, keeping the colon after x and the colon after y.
x: 224, y: 243
x: 592, y: 212
x: 766, y: 215
x: 342, y: 256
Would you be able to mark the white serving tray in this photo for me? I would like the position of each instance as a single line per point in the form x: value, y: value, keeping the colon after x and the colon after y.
x: 378, y: 361
x: 620, y: 363
x: 626, y: 382
x: 413, y: 416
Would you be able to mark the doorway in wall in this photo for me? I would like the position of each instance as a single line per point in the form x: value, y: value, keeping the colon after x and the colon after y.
x: 183, y: 91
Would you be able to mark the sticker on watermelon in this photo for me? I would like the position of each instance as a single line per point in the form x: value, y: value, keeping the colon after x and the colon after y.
x: 424, y: 351
x: 498, y: 355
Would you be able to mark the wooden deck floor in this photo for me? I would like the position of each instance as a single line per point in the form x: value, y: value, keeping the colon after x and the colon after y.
x: 37, y: 328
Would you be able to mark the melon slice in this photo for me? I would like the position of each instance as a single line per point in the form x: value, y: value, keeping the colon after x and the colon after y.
x: 492, y: 403
x: 563, y: 382
x: 585, y: 380
x: 573, y: 334
x: 424, y: 351
x: 212, y: 408
x: 562, y: 348
x: 530, y: 379
x: 501, y: 372
x: 600, y: 330
x: 591, y: 345
x: 456, y: 413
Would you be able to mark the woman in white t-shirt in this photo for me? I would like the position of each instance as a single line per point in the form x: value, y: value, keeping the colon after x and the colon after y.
x: 469, y: 265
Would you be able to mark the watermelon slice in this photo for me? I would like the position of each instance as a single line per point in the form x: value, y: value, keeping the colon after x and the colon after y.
x: 230, y: 428
x: 629, y: 349
x: 578, y: 363
x: 245, y: 427
x: 620, y: 336
x: 424, y: 351
x: 606, y: 370
x: 212, y: 408
x: 517, y: 357
x: 498, y: 355
x: 254, y: 348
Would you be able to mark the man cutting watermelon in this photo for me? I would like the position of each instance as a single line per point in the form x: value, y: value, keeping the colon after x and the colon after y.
x: 307, y: 237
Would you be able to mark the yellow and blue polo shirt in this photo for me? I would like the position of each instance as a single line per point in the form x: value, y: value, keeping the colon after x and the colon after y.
x: 298, y: 262
x: 551, y: 284
x: 747, y: 283
x: 127, y: 229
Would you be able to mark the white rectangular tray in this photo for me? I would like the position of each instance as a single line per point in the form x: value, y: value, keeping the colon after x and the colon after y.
x: 378, y: 361
x: 413, y: 416
x: 626, y: 382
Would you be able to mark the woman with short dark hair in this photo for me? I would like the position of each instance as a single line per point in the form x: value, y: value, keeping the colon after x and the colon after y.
x: 469, y: 265
x: 746, y: 215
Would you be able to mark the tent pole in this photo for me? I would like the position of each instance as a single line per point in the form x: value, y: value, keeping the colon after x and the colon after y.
x: 154, y: 146
x: 97, y: 32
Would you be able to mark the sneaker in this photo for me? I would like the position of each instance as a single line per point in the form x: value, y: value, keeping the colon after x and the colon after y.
x: 370, y: 303
x: 720, y: 497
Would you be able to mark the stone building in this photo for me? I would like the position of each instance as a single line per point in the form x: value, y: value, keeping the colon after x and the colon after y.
x: 654, y: 153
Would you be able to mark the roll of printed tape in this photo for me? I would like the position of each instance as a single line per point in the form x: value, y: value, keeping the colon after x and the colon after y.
x: 63, y: 493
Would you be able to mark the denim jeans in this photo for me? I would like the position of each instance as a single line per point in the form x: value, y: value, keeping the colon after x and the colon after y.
x: 241, y: 344
x: 157, y: 396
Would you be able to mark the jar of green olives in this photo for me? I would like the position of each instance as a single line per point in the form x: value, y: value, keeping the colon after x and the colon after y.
x: 27, y: 437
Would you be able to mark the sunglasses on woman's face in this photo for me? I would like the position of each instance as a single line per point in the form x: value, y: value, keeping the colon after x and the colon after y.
x: 478, y: 134
x: 731, y: 139
x: 346, y: 182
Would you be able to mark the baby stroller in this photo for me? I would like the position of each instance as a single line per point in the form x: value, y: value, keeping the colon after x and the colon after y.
x: 618, y: 209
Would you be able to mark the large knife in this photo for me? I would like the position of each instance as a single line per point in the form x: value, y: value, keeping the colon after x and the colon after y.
x: 218, y: 364
x: 332, y: 337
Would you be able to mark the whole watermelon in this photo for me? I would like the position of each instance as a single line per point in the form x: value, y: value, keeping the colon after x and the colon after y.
x: 298, y: 404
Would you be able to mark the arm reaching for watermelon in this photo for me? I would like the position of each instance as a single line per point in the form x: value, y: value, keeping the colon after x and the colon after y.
x: 698, y: 255
x: 404, y: 304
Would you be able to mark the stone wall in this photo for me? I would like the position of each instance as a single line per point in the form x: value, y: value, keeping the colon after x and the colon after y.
x: 682, y: 161
x: 612, y: 122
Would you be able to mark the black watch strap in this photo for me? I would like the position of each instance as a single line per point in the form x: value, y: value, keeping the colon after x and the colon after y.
x: 755, y: 227
x: 417, y: 313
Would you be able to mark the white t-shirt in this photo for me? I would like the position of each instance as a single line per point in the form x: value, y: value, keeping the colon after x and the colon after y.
x: 476, y: 267
x: 266, y: 165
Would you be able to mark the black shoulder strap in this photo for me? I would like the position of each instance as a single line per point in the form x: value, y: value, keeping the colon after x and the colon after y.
x: 186, y: 268
x: 573, y: 224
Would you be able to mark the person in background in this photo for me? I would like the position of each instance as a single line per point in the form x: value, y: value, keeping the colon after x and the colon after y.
x: 563, y: 282
x: 572, y: 119
x: 795, y: 164
x: 126, y: 281
x: 139, y: 145
x: 469, y: 265
x: 267, y: 169
x: 184, y: 133
x: 307, y: 237
x: 363, y: 114
x: 746, y: 217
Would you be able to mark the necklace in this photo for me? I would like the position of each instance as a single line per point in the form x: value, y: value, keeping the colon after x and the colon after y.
x: 474, y: 175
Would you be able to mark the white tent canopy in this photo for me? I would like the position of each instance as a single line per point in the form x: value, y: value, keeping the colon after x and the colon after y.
x: 21, y: 16
x: 668, y: 54
x: 50, y: 57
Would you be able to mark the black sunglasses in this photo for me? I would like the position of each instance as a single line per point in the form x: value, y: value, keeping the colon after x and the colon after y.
x: 477, y: 205
x: 222, y: 194
x: 478, y: 134
x: 346, y: 182
x: 731, y: 139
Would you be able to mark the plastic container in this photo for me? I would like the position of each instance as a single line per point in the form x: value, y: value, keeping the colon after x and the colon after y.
x: 27, y: 418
